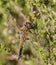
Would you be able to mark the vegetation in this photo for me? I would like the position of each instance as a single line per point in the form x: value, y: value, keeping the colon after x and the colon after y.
x: 42, y: 40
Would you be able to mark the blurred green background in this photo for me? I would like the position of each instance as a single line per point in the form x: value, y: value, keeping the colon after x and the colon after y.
x: 42, y: 41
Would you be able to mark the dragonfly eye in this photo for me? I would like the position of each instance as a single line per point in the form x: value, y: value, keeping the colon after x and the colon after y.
x: 29, y: 25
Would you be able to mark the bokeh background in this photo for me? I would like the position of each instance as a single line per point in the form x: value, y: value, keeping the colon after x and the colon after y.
x: 40, y: 49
